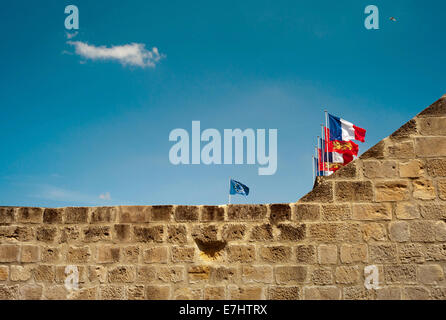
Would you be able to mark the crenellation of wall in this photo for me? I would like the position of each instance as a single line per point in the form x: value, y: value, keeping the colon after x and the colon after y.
x: 385, y: 212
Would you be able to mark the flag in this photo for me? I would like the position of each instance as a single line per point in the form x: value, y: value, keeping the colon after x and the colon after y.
x: 236, y: 187
x: 343, y: 130
x: 348, y: 147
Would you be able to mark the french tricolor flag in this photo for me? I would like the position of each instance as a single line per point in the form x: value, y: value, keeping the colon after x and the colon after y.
x: 343, y: 130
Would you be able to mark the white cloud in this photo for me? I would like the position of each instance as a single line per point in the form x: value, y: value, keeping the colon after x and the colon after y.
x: 134, y: 54
x: 105, y: 196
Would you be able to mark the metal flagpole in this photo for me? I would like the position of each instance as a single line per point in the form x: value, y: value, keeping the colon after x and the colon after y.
x: 318, y: 154
x: 325, y: 155
x: 325, y: 135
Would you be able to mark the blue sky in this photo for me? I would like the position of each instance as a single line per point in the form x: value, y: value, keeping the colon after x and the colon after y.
x: 73, y: 129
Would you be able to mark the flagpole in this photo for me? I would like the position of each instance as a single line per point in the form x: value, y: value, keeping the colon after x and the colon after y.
x: 325, y: 135
x: 318, y: 155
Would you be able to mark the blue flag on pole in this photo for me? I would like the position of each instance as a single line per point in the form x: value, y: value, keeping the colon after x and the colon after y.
x: 238, y: 188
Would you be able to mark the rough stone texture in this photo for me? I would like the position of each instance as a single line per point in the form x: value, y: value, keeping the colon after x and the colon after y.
x: 386, y: 209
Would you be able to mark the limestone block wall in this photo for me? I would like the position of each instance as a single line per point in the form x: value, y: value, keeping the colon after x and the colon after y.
x: 386, y: 210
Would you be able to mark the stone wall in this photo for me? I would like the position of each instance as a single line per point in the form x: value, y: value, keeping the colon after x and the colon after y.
x: 387, y: 210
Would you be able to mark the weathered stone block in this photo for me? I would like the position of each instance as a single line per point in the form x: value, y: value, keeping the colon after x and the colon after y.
x: 383, y: 253
x: 164, y: 213
x: 122, y: 232
x: 78, y: 254
x: 183, y: 254
x: 374, y: 169
x: 212, y: 213
x: 107, y: 254
x: 97, y: 274
x: 160, y: 254
x: 400, y: 273
x: 399, y: 231
x: 430, y: 274
x: 205, y: 233
x: 9, y: 292
x: 241, y: 253
x: 9, y: 253
x: 52, y: 215
x: 21, y: 273
x: 245, y: 293
x: 322, y: 277
x: 326, y: 232
x: 188, y: 294
x: 292, y: 232
x: 135, y: 292
x: 31, y: 292
x: 225, y: 274
x: 432, y: 126
x: 157, y: 292
x: 76, y: 215
x: 284, y: 293
x: 336, y: 212
x: 97, y: 233
x: 388, y: 293
x: 353, y: 253
x: 407, y: 211
x: 146, y: 274
x: 433, y: 211
x: 177, y: 234
x: 30, y: 254
x: 416, y: 293
x: 392, y: 191
x: 436, y: 167
x: 280, y: 212
x: 7, y: 215
x: 214, y: 293
x: 411, y: 253
x: 246, y: 212
x: 422, y: 231
x: 290, y: 274
x: 263, y: 232
x: 323, y: 192
x: 423, y: 189
x: 322, y: 293
x: 112, y: 292
x: 148, y: 234
x: 134, y: 214
x: 307, y: 212
x: 186, y: 213
x: 55, y: 292
x: 4, y: 273
x: 375, y: 152
x: 305, y: 254
x: 353, y: 191
x: 69, y: 234
x: 276, y: 254
x: 327, y: 254
x: 130, y: 254
x: 407, y: 130
x: 257, y: 274
x: 29, y: 215
x: 233, y: 232
x: 103, y: 214
x: 171, y: 274
x: 50, y: 254
x: 403, y: 150
x: 430, y: 146
x: 43, y: 273
x: 372, y: 211
x: 411, y: 169
x: 347, y: 275
x: 121, y: 274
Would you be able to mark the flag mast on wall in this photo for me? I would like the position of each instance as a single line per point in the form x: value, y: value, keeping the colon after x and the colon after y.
x: 327, y: 139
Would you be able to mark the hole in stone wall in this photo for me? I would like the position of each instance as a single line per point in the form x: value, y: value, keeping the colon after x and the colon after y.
x: 211, y: 248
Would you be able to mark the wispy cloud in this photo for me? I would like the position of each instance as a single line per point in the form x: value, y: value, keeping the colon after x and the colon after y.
x: 105, y: 196
x: 134, y: 54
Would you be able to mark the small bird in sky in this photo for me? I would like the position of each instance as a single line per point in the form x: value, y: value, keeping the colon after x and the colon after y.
x: 392, y: 19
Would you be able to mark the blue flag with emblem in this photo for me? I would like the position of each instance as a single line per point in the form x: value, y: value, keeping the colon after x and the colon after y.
x: 238, y: 188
